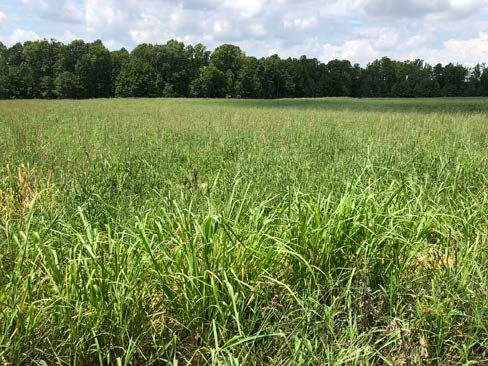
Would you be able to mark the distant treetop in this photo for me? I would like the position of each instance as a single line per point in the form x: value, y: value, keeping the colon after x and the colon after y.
x: 51, y: 69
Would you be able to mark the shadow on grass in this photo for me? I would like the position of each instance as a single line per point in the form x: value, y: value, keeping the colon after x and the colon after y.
x: 471, y: 105
x: 434, y: 105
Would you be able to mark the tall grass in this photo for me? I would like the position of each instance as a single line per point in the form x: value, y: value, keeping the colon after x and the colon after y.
x: 149, y: 232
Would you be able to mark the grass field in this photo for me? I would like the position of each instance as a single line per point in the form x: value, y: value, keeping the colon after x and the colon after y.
x: 226, y: 232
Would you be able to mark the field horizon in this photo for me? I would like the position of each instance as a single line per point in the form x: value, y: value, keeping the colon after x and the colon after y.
x: 328, y: 231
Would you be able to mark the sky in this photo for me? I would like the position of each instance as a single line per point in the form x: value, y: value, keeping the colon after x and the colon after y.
x: 358, y: 30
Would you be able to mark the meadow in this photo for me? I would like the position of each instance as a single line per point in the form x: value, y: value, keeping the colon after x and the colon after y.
x: 243, y: 232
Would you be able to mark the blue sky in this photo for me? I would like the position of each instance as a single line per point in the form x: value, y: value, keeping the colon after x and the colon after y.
x: 358, y: 30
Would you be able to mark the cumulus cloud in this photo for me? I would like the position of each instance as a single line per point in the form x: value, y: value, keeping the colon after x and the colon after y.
x: 338, y: 8
x: 65, y: 10
x: 19, y: 35
x: 466, y: 51
x: 246, y: 8
x: 359, y: 30
x: 420, y: 8
x: 382, y: 38
x: 107, y: 15
x: 3, y: 17
x: 360, y: 50
x: 301, y: 23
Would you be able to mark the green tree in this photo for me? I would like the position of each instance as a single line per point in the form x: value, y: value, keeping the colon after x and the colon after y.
x: 248, y: 84
x: 69, y: 55
x: 172, y: 64
x: 276, y: 81
x: 47, y: 69
x: 473, y: 83
x: 228, y: 59
x: 383, y: 76
x: 175, y: 69
x: 306, y: 74
x: 136, y: 79
x: 4, y: 80
x: 484, y: 82
x: 14, y: 56
x: 94, y: 70
x: 47, y: 87
x: 210, y: 84
x: 402, y: 89
x: 20, y: 81
x: 454, y: 77
x: 427, y: 88
x: 365, y: 85
x: 68, y: 85
x: 338, y: 78
x: 3, y: 51
x: 4, y: 90
x: 40, y: 58
x: 199, y: 57
x: 119, y: 58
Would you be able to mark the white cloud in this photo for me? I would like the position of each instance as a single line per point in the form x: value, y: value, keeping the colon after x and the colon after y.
x: 65, y: 10
x: 109, y: 15
x: 358, y: 50
x: 148, y: 29
x: 67, y: 37
x: 360, y: 30
x: 420, y: 8
x: 246, y: 8
x: 301, y: 23
x: 221, y: 27
x: 257, y: 30
x: 3, y: 17
x: 339, y: 8
x: 469, y: 51
x: 113, y: 44
x: 382, y: 38
x: 416, y: 41
x: 20, y: 35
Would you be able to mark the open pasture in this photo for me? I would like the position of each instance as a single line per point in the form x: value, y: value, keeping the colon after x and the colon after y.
x: 241, y: 232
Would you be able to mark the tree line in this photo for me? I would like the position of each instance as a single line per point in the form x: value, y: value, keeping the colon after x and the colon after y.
x: 51, y: 69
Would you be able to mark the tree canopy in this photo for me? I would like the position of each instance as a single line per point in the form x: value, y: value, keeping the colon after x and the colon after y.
x: 51, y: 69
